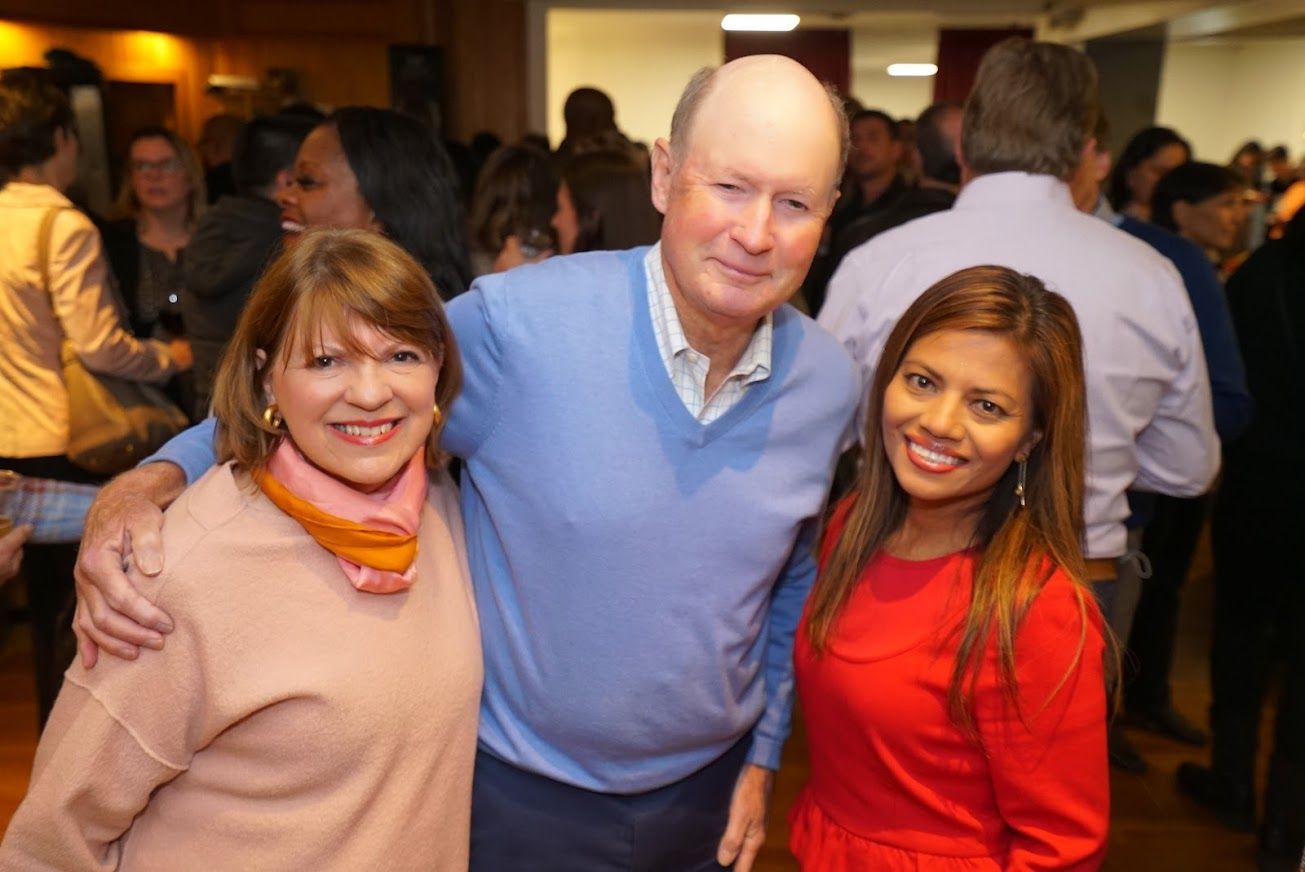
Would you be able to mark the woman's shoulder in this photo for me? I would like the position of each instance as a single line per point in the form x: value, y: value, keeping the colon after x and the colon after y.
x: 1063, y: 611
x: 214, y: 527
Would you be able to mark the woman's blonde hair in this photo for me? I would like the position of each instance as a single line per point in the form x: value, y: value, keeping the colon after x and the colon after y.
x: 1019, y: 546
x: 127, y: 206
x: 330, y: 279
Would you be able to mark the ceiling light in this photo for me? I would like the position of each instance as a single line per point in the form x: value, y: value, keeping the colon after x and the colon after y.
x: 777, y: 23
x: 912, y: 69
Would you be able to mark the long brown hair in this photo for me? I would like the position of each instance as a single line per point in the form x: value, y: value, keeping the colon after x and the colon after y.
x: 1018, y: 546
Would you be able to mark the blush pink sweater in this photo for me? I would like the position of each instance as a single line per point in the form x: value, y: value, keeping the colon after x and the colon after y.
x: 291, y: 722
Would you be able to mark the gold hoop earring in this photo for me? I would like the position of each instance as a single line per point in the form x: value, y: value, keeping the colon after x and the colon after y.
x: 272, y: 416
x: 437, y: 416
x: 1019, y: 482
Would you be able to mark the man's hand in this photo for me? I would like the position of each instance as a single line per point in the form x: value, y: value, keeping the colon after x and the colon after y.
x: 11, y: 551
x: 746, y: 830
x: 124, y: 524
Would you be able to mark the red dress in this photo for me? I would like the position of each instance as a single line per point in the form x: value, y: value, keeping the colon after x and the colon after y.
x: 896, y: 785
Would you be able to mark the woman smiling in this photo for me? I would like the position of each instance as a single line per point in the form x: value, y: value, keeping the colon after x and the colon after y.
x: 950, y: 661
x: 316, y: 708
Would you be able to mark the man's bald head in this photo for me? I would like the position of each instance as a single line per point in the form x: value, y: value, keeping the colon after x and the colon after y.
x: 772, y: 83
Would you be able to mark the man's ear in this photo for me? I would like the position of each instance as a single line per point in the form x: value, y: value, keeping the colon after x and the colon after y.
x: 958, y: 152
x: 662, y: 168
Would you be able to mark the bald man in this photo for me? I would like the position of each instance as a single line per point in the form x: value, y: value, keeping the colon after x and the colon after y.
x: 648, y: 439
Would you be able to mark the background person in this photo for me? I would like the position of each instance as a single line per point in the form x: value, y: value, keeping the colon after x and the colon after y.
x: 216, y: 146
x: 1259, y: 598
x: 328, y: 720
x: 949, y: 662
x: 234, y: 240
x: 1169, y: 526
x: 1202, y: 203
x: 38, y: 162
x: 937, y: 134
x: 376, y: 169
x: 1146, y: 157
x: 159, y: 204
x: 603, y: 205
x: 516, y: 194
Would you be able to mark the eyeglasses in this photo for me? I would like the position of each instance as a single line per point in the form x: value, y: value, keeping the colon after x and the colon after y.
x: 165, y: 165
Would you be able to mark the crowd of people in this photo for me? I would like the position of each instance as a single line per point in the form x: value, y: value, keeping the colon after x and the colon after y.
x: 301, y: 645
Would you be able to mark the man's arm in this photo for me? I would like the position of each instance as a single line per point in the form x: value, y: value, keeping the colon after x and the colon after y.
x: 124, y: 524
x: 1232, y: 400
x: 746, y: 829
x: 1178, y: 452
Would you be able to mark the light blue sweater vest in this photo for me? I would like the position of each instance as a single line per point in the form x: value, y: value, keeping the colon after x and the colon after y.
x: 639, y: 575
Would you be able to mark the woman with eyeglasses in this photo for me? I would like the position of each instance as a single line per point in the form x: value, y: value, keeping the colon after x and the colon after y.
x: 161, y: 198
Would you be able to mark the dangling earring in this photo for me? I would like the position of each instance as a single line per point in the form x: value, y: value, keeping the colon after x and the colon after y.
x: 272, y: 416
x: 1019, y: 482
x: 437, y: 417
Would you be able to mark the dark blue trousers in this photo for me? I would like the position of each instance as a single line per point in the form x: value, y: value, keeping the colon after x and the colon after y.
x: 524, y: 821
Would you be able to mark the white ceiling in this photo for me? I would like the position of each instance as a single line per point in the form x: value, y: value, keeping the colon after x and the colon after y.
x: 1061, y: 20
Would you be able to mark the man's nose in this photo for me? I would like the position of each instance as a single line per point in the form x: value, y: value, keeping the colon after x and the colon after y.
x: 754, y: 229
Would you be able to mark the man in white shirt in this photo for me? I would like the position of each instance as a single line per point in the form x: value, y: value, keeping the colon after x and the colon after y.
x: 1027, y: 132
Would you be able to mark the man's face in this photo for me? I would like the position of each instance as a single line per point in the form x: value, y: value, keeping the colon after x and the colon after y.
x: 874, y: 151
x: 744, y: 210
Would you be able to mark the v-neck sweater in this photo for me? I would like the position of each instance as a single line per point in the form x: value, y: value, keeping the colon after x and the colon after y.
x: 639, y: 574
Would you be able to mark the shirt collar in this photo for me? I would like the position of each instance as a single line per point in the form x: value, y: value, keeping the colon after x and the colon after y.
x: 1023, y: 188
x: 1106, y: 212
x: 755, y: 363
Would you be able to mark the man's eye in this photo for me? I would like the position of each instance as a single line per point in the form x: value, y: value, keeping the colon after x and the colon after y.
x: 305, y: 182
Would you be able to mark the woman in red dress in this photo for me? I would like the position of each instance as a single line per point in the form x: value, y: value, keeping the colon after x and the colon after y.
x: 950, y: 662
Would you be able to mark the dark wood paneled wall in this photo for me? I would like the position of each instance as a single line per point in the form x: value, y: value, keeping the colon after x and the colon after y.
x: 337, y: 48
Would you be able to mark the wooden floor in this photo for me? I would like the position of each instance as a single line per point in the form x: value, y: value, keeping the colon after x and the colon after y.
x: 1153, y: 829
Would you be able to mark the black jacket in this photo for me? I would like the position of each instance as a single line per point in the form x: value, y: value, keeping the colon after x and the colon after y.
x: 1266, y: 298
x: 235, y: 239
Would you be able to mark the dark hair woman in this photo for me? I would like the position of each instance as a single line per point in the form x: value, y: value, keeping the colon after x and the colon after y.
x: 377, y: 169
x: 515, y: 197
x: 1150, y: 154
x: 604, y: 204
